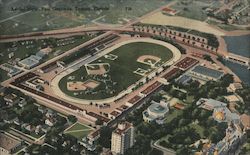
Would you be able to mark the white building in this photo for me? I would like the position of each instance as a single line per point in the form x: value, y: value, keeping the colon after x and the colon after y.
x: 156, y: 111
x: 122, y: 138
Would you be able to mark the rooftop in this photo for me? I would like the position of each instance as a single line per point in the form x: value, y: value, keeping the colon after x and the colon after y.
x: 207, y: 72
x: 29, y: 61
x: 245, y: 120
x: 134, y: 99
x: 114, y: 113
x: 211, y: 102
x: 157, y: 108
x: 123, y: 127
x: 171, y: 73
x: 151, y: 88
x: 187, y: 63
x: 7, y: 142
x: 10, y: 97
x: 94, y: 134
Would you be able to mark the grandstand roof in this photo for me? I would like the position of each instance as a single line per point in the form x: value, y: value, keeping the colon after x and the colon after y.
x: 207, y: 72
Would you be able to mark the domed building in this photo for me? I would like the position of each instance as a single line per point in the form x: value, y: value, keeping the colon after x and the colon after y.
x: 156, y: 111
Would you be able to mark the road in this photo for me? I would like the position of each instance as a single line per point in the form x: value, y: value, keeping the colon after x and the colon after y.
x: 163, y: 149
x: 4, y: 20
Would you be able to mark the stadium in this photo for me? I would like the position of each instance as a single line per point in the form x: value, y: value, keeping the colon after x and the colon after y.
x: 115, y: 72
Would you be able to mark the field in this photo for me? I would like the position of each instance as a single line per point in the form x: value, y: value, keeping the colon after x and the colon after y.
x: 195, y: 9
x: 120, y: 73
x: 56, y: 14
x: 78, y: 130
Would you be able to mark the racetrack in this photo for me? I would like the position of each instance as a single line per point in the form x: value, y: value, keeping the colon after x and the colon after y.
x: 120, y: 92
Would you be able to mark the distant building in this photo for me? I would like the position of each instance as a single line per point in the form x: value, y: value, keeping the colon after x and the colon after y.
x: 46, y: 51
x: 234, y: 86
x: 11, y: 99
x: 235, y: 131
x: 245, y: 120
x: 223, y: 114
x: 8, y: 144
x: 12, y: 70
x: 22, y: 102
x: 32, y: 60
x: 220, y: 111
x: 156, y: 111
x: 206, y: 73
x: 89, y: 141
x: 209, y: 104
x: 36, y: 83
x: 122, y: 138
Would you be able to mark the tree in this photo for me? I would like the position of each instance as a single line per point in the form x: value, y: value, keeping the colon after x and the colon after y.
x: 105, y: 137
x: 72, y: 118
x: 208, y: 58
x: 98, y: 122
x: 226, y: 80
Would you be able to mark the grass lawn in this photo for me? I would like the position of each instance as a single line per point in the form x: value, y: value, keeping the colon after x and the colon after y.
x: 78, y: 126
x: 192, y: 10
x: 120, y: 69
x: 189, y: 99
x: 173, y: 113
x: 79, y: 134
x: 78, y: 130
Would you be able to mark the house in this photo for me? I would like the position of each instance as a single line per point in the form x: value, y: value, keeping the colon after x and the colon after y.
x: 28, y: 127
x: 22, y: 102
x: 65, y: 143
x: 179, y: 106
x: 245, y: 120
x: 234, y: 86
x: 38, y: 129
x: 11, y: 99
x: 42, y: 109
x: 50, y: 113
x: 45, y: 128
x: 9, y: 119
x: 17, y: 121
x: 45, y: 51
x: 50, y: 122
x: 75, y: 148
x: 233, y: 98
x: 89, y: 141
x: 54, y: 139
